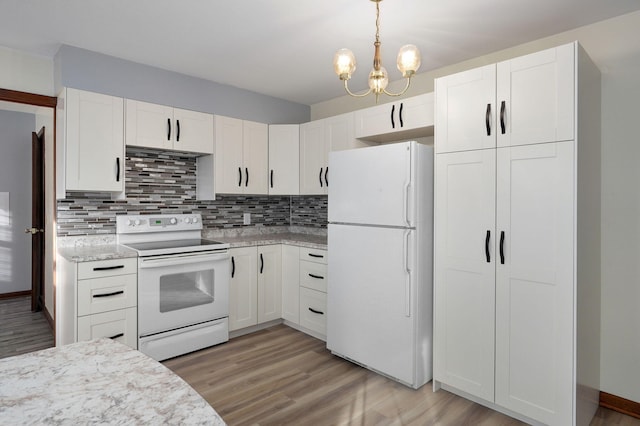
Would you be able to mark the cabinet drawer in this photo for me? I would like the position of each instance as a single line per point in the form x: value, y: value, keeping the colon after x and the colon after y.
x: 313, y: 275
x: 107, y: 268
x: 106, y: 294
x: 313, y: 310
x: 120, y: 325
x: 313, y: 255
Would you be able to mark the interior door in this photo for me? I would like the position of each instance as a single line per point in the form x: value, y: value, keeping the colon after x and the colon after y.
x: 371, y: 185
x: 37, y: 220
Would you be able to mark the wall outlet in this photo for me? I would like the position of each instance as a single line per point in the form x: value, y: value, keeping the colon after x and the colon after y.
x: 247, y: 219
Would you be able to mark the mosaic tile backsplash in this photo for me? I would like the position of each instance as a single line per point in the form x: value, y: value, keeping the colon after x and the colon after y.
x: 165, y: 182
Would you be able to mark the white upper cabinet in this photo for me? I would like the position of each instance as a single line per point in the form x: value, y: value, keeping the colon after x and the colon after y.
x: 284, y: 159
x: 406, y: 119
x: 241, y: 156
x: 313, y: 158
x: 317, y: 139
x: 521, y: 101
x: 162, y: 127
x: 93, y: 142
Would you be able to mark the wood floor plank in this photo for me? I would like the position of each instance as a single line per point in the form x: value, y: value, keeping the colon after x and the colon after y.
x: 22, y: 331
x: 280, y: 376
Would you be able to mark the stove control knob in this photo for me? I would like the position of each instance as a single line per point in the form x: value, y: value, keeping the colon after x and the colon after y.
x: 195, y: 220
x: 137, y: 222
x: 173, y: 221
x: 129, y: 222
x: 187, y: 220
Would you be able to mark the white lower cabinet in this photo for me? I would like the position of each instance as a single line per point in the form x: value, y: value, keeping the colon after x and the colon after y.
x: 291, y: 283
x: 97, y: 299
x: 313, y: 290
x: 255, y: 287
x: 313, y: 310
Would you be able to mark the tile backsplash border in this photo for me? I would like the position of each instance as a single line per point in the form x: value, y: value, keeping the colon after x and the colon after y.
x: 165, y: 182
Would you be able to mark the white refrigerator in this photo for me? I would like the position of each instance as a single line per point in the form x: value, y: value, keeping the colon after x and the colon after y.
x: 380, y: 259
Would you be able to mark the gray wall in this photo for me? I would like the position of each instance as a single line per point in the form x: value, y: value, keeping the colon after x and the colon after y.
x: 87, y: 70
x: 15, y: 180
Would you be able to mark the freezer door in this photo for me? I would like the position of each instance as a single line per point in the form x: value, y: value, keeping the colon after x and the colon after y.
x: 371, y: 298
x: 372, y: 185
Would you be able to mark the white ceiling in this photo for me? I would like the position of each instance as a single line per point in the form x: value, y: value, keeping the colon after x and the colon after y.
x: 284, y: 48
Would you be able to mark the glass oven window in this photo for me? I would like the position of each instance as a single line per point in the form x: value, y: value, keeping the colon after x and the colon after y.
x: 186, y: 290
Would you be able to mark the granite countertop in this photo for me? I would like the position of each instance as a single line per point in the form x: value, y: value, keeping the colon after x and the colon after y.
x: 291, y: 238
x: 97, y: 382
x: 89, y: 253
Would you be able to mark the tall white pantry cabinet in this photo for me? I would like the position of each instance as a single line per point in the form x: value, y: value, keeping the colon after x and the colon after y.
x: 517, y: 236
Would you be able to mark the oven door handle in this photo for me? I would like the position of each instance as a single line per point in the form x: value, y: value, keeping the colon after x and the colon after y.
x: 181, y: 259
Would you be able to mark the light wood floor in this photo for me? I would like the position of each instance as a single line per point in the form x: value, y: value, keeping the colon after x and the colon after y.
x: 21, y: 330
x: 280, y: 376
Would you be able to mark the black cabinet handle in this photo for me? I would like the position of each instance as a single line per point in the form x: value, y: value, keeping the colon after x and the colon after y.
x: 117, y: 169
x: 320, y: 176
x: 316, y: 276
x: 502, y: 247
x: 169, y: 127
x: 115, y: 336
x: 487, y: 119
x: 400, y: 114
x: 486, y: 246
x: 393, y: 123
x: 115, y: 293
x: 503, y: 106
x: 233, y: 266
x: 246, y: 171
x: 326, y: 178
x: 108, y: 268
x: 178, y: 131
x: 316, y: 255
x: 316, y: 312
x: 261, y: 263
x: 239, y: 176
x: 271, y: 178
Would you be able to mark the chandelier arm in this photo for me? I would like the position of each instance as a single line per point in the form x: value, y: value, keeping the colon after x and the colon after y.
x: 346, y: 87
x: 400, y: 93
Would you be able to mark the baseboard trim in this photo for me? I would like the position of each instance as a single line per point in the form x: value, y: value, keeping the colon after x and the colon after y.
x: 48, y: 317
x: 619, y: 404
x: 15, y: 294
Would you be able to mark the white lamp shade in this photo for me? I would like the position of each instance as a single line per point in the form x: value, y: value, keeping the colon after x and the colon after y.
x: 378, y: 80
x: 408, y: 60
x: 344, y: 63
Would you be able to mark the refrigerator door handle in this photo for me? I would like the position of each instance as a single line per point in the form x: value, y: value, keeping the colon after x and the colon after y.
x: 408, y: 269
x: 407, y: 198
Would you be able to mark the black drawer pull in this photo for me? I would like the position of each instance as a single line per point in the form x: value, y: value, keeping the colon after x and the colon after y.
x: 316, y: 312
x: 115, y: 293
x: 400, y: 115
x: 486, y: 246
x: 108, y: 268
x: 116, y: 336
x: 316, y: 255
x: 246, y: 171
x: 233, y: 266
x: 316, y: 276
x: 320, y: 176
x: 502, y: 110
x: 239, y: 176
x: 169, y: 129
x: 502, y: 247
x: 487, y: 119
x: 393, y: 123
x: 261, y: 263
x: 178, y: 131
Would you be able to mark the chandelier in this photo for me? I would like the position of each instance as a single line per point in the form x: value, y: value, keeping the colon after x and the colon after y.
x: 408, y: 62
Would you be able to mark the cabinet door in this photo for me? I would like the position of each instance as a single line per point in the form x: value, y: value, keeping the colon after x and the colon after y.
x: 464, y: 276
x: 376, y: 120
x: 255, y: 157
x: 94, y: 142
x: 243, y: 296
x: 535, y: 281
x: 465, y: 112
x: 284, y: 159
x: 193, y: 131
x: 290, y: 283
x: 535, y: 95
x: 416, y: 112
x: 269, y: 283
x: 229, y: 174
x: 120, y: 325
x: 313, y: 158
x: 339, y: 132
x: 149, y: 125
